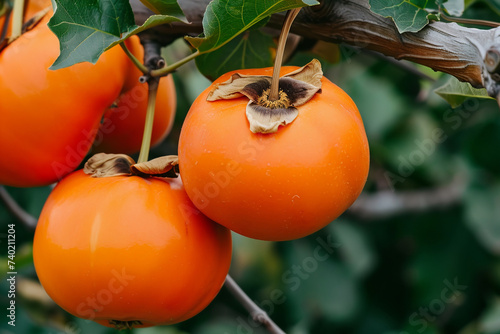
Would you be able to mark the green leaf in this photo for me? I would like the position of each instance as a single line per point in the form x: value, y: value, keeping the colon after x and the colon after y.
x: 165, y: 7
x: 152, y: 21
x: 494, y: 5
x: 226, y: 19
x: 456, y: 92
x: 88, y: 28
x: 468, y: 3
x: 252, y: 49
x: 409, y: 16
x: 454, y: 7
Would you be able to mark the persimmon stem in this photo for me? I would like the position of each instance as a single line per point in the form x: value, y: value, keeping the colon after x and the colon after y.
x: 290, y: 16
x: 134, y: 60
x: 258, y: 315
x: 160, y: 72
x: 468, y: 21
x: 170, y: 68
x: 150, y: 115
x: 17, y: 19
x: 28, y: 220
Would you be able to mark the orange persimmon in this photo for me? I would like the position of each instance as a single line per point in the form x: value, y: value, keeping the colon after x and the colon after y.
x: 123, y: 123
x: 274, y: 186
x: 127, y: 251
x: 49, y: 118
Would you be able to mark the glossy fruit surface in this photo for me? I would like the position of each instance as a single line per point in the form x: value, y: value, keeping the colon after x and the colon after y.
x: 127, y: 249
x: 49, y: 118
x: 123, y: 124
x: 278, y: 186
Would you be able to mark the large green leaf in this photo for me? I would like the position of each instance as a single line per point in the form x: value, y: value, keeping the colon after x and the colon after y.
x: 87, y: 28
x: 494, y: 4
x: 456, y: 92
x: 226, y: 19
x: 165, y: 7
x: 252, y: 49
x: 409, y: 16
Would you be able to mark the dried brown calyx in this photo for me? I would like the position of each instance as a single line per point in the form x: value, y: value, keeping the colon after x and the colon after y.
x: 107, y: 165
x: 266, y: 115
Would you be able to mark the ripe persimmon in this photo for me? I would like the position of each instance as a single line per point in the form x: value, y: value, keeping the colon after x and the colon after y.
x: 127, y: 251
x: 123, y: 123
x: 50, y: 117
x: 274, y: 186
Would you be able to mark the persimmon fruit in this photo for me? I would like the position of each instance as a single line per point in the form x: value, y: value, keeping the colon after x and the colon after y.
x: 123, y: 123
x: 127, y: 251
x: 277, y: 186
x: 50, y: 117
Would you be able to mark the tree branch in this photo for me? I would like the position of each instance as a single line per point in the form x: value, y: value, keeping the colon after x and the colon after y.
x: 445, y: 47
x: 14, y: 208
x: 388, y: 203
x: 256, y: 312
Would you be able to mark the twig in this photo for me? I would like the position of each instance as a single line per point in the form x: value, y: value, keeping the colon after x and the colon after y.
x: 468, y: 21
x: 388, y: 203
x: 170, y: 68
x: 14, y: 208
x: 134, y: 60
x: 255, y: 311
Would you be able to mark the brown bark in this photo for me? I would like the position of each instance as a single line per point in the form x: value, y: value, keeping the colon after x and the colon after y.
x: 445, y: 47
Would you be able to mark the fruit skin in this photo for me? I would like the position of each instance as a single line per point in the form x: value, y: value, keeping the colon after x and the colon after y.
x: 123, y: 125
x: 127, y: 248
x: 49, y: 118
x: 279, y: 186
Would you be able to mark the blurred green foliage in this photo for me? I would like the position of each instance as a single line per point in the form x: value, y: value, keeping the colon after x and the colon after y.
x: 425, y: 271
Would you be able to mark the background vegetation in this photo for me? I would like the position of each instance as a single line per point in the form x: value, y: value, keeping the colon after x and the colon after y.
x: 423, y: 258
